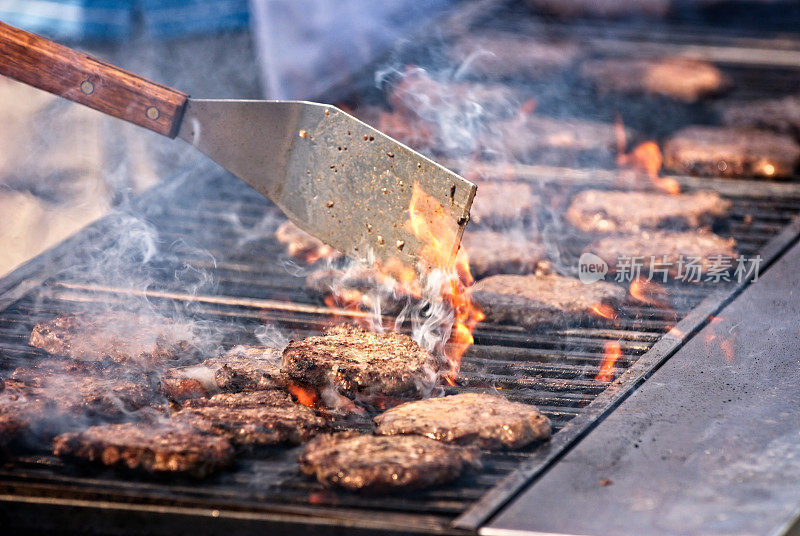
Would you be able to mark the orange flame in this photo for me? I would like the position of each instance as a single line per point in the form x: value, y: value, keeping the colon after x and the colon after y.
x: 605, y: 311
x: 305, y: 396
x: 649, y: 292
x: 613, y: 351
x: 648, y: 158
x: 429, y: 222
x: 349, y: 299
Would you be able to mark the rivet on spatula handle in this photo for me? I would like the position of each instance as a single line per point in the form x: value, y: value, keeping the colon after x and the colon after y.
x: 81, y: 78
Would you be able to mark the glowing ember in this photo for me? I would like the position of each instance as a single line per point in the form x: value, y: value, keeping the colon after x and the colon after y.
x: 649, y: 292
x: 429, y: 222
x: 346, y: 298
x: 613, y: 351
x: 604, y: 311
x: 307, y: 397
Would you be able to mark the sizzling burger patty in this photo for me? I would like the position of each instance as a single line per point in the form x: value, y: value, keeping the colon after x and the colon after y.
x: 492, y: 252
x: 382, y: 464
x: 78, y: 391
x: 20, y: 410
x: 601, y: 8
x: 506, y: 55
x: 484, y: 420
x: 151, y: 448
x: 702, y: 245
x: 781, y: 115
x: 243, y: 368
x: 731, y: 152
x: 252, y: 418
x: 604, y: 211
x: 680, y: 78
x: 499, y: 202
x: 361, y: 362
x: 122, y: 337
x: 532, y: 300
x: 553, y: 141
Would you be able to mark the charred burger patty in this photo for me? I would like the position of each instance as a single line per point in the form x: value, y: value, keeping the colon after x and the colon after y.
x: 252, y: 418
x: 484, y: 420
x: 381, y: 463
x: 159, y: 448
x: 361, y: 362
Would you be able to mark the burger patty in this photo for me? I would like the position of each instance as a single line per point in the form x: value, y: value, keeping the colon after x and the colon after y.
x: 601, y: 8
x: 243, y: 368
x: 300, y: 244
x: 605, y: 211
x: 120, y: 337
x: 356, y: 361
x: 503, y: 202
x: 418, y: 94
x: 499, y: 54
x: 780, y: 115
x: 80, y: 392
x: 731, y: 152
x: 551, y: 299
x: 162, y: 448
x: 553, y: 141
x: 252, y: 418
x: 666, y: 247
x: 679, y: 78
x: 484, y: 420
x: 511, y: 252
x: 20, y: 411
x: 383, y: 464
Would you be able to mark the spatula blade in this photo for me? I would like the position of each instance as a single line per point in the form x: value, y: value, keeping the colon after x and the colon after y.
x: 334, y: 176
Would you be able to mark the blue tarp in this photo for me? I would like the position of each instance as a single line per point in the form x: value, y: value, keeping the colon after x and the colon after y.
x: 114, y: 19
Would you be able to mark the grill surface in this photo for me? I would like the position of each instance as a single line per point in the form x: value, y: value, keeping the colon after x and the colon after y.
x: 218, y: 236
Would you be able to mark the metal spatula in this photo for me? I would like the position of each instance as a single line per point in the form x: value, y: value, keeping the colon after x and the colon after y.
x: 334, y: 176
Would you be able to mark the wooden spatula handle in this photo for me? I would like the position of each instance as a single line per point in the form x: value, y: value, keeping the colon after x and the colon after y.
x: 81, y: 78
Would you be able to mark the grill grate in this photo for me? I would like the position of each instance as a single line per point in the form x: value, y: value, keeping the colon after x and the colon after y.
x: 551, y: 368
x: 253, y: 283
